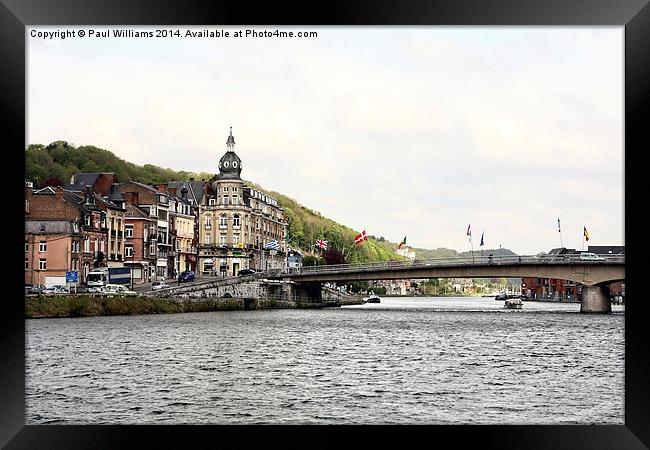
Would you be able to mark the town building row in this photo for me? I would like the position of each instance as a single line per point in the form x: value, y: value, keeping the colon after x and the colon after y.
x: 212, y: 227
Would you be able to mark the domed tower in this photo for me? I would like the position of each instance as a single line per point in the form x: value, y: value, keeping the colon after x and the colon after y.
x: 227, y: 185
x: 230, y: 163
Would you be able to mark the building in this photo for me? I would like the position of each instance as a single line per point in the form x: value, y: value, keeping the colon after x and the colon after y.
x: 155, y: 206
x: 140, y: 251
x: 182, y: 228
x: 47, y: 211
x: 236, y: 222
x: 556, y: 289
x: 51, y: 249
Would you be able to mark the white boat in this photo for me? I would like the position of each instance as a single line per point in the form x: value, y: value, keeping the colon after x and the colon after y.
x: 513, y: 303
x: 373, y: 299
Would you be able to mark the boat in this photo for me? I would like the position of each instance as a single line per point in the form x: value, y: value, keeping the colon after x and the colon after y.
x: 513, y: 303
x: 373, y: 299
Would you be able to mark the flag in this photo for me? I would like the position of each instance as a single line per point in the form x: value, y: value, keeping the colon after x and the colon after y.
x: 482, y: 238
x: 402, y: 243
x: 359, y: 238
x: 240, y: 245
x: 321, y: 243
x: 272, y: 245
x: 558, y: 225
x: 468, y: 231
x: 586, y: 234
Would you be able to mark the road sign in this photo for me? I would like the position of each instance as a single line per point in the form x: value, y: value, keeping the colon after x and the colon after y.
x: 72, y: 276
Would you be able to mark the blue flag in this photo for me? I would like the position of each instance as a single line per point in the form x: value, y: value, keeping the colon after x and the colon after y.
x: 482, y: 238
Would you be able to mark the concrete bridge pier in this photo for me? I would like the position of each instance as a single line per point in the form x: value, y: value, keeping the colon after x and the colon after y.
x: 595, y: 299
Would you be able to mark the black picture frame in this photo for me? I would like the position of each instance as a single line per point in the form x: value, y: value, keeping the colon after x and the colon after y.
x: 634, y: 15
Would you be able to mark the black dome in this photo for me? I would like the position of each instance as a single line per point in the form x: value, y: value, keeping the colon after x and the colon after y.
x: 230, y: 163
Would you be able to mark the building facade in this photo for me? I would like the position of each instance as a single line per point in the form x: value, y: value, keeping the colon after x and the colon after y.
x: 237, y: 222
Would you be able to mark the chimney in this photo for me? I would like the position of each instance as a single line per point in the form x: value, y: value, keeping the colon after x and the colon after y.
x: 184, y: 193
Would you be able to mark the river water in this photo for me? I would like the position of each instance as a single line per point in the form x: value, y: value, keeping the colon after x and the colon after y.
x: 403, y: 361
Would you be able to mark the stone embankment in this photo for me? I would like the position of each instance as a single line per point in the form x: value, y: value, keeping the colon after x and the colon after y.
x: 88, y: 305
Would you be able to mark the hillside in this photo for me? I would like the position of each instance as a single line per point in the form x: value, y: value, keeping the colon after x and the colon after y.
x: 60, y: 160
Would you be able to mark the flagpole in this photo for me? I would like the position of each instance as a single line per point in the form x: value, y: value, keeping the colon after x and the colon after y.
x: 471, y: 241
x: 560, y: 231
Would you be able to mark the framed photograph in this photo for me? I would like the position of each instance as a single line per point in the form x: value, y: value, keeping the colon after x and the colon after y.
x: 509, y: 132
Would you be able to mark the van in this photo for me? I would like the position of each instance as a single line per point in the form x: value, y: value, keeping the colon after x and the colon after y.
x: 586, y: 256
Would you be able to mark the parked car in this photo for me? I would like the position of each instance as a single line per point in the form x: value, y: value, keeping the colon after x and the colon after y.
x: 246, y: 272
x: 118, y: 289
x: 157, y: 285
x: 586, y: 256
x: 188, y: 275
x: 34, y: 288
x: 56, y: 289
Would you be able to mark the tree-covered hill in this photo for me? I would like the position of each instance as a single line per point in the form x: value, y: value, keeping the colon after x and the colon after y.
x: 60, y: 160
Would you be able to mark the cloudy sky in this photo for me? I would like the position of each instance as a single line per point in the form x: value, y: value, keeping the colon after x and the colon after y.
x: 412, y: 131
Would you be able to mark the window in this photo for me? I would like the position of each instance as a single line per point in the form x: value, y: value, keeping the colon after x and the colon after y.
x: 26, y: 264
x: 208, y: 223
x: 128, y: 251
x: 212, y: 202
x: 42, y: 246
x: 101, y: 246
x: 26, y: 246
x: 75, y: 264
x: 87, y: 220
x: 87, y: 245
x: 103, y: 221
x: 152, y: 249
x: 222, y: 239
x: 225, y: 199
x: 42, y: 264
x: 235, y: 221
x: 234, y: 199
x: 235, y: 239
x: 128, y: 231
x: 208, y: 239
x: 223, y: 221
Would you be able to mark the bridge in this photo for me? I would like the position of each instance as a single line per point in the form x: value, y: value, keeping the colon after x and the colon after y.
x: 594, y: 275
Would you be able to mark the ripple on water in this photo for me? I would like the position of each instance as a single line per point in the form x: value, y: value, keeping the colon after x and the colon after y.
x: 434, y: 361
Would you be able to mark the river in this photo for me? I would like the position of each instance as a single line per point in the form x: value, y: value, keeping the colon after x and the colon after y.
x: 402, y: 361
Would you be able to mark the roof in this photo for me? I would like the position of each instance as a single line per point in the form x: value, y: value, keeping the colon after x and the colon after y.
x: 142, y: 185
x: 135, y: 212
x: 562, y: 251
x: 80, y: 180
x: 45, y: 191
x: 51, y: 227
x: 607, y: 249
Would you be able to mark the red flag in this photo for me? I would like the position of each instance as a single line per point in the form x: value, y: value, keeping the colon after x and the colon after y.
x: 359, y: 238
x: 468, y: 232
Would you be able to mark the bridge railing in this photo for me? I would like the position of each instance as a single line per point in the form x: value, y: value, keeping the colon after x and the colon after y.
x: 447, y: 262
